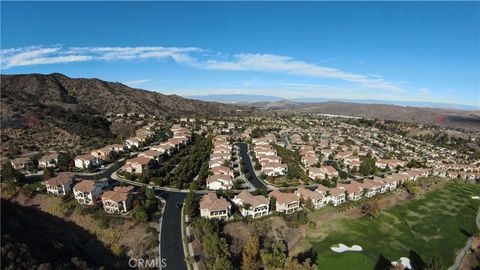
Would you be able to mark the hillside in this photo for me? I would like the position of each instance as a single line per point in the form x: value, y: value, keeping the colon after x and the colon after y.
x: 442, y: 117
x: 32, y: 239
x: 49, y: 111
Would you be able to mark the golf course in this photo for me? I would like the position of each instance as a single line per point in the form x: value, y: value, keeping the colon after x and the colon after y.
x: 437, y: 224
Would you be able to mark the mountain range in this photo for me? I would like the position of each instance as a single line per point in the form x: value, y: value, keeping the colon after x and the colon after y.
x: 245, y: 98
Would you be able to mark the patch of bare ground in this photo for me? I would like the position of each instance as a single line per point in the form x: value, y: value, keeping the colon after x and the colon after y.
x: 121, y: 234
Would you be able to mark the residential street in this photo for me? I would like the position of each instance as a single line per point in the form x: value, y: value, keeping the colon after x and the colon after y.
x: 171, y: 245
x: 248, y: 163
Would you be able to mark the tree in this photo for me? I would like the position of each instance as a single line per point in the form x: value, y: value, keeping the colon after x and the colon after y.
x: 309, y: 204
x: 190, y: 204
x: 294, y: 264
x: 9, y: 174
x: 250, y: 254
x: 139, y: 213
x: 275, y: 256
x: 32, y: 164
x: 273, y: 204
x: 411, y: 188
x: 372, y: 209
x: 367, y: 166
x: 221, y: 263
x: 48, y: 173
x: 65, y: 161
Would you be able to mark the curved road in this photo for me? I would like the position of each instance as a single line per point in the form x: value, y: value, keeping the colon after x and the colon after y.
x: 257, y: 183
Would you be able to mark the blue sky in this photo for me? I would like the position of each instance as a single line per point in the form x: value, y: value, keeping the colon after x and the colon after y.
x: 405, y: 51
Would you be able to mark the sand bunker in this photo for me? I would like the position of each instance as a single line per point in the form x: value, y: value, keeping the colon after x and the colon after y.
x: 405, y: 262
x: 343, y: 248
x: 476, y: 197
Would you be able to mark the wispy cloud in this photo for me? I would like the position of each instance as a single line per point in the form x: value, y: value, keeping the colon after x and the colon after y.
x: 136, y: 82
x: 35, y: 55
x: 190, y: 56
x: 288, y: 65
x: 39, y: 55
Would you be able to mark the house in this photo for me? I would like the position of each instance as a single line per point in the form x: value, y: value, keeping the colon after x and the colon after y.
x: 164, y: 147
x: 354, y: 190
x: 88, y: 191
x: 269, y: 159
x: 222, y: 170
x: 391, y: 183
x: 48, y: 160
x: 224, y: 156
x: 389, y: 163
x: 213, y: 207
x: 318, y: 199
x: 308, y: 161
x: 266, y: 151
x: 219, y: 181
x: 118, y: 200
x: 316, y: 173
x: 399, y: 178
x: 249, y: 205
x: 136, y: 165
x: 329, y: 171
x: 61, y: 184
x: 336, y: 196
x: 101, y: 153
x: 215, y: 163
x: 285, y: 202
x: 343, y: 155
x: 384, y: 186
x: 20, y: 163
x: 371, y: 187
x: 132, y: 142
x: 84, y: 161
x: 274, y: 169
x: 151, y: 154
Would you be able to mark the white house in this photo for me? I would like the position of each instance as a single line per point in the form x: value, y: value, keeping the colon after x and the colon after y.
x: 213, y: 207
x: 61, y: 184
x: 48, y: 160
x: 318, y: 199
x: 118, y: 200
x: 84, y: 161
x: 219, y: 181
x: 88, y: 191
x: 285, y: 202
x: 249, y: 205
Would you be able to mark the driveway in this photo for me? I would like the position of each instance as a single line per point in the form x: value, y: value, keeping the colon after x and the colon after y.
x: 257, y: 183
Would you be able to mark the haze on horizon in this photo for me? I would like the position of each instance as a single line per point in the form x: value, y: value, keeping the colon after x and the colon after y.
x: 416, y: 51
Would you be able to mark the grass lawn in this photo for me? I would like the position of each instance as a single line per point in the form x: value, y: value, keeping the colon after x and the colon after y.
x: 437, y: 224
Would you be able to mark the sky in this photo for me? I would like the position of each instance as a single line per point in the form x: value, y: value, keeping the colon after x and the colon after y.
x: 401, y: 51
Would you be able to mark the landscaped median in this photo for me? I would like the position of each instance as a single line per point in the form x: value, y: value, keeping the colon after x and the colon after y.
x: 432, y: 228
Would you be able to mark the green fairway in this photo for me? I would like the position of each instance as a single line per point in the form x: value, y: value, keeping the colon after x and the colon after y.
x: 436, y: 225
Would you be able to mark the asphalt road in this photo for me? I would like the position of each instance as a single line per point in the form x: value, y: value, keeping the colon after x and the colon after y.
x: 171, y: 245
x: 248, y: 164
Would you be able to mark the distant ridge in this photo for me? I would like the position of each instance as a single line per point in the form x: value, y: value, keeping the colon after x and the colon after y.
x: 421, y: 115
x: 246, y: 98
x: 236, y: 98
